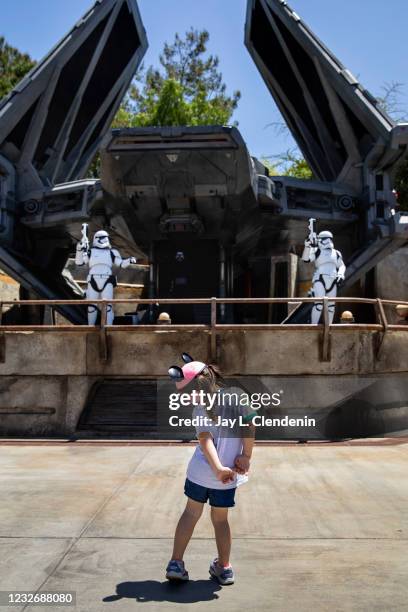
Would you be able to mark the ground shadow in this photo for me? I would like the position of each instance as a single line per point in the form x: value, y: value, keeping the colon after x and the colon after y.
x: 153, y: 590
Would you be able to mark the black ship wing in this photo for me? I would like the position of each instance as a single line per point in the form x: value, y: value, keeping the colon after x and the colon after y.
x: 335, y: 121
x: 55, y: 118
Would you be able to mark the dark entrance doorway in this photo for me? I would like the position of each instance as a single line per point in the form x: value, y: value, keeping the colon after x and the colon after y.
x: 187, y: 269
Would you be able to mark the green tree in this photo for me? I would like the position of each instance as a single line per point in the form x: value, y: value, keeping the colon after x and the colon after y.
x: 391, y: 102
x: 272, y: 168
x: 186, y: 89
x: 13, y: 66
x: 289, y: 163
x: 401, y: 184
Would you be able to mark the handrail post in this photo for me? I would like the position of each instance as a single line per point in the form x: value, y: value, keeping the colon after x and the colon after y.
x: 384, y: 323
x: 2, y: 338
x: 326, y: 352
x: 103, y: 339
x: 213, y: 333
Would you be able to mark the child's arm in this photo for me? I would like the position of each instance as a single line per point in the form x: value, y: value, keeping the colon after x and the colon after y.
x: 243, y: 461
x: 225, y: 474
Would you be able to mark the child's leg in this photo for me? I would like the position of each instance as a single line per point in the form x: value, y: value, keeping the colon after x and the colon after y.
x: 219, y: 518
x: 185, y: 527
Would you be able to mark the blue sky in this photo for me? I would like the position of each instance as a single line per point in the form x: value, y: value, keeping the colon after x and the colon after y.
x: 368, y: 36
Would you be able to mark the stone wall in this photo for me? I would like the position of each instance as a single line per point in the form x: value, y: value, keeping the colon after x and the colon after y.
x: 46, y: 377
x: 9, y: 288
x: 392, y: 276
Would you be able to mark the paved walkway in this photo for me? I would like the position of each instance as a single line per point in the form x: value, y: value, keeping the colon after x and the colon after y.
x: 317, y: 528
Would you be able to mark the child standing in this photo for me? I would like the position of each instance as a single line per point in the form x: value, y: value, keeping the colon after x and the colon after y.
x: 218, y: 466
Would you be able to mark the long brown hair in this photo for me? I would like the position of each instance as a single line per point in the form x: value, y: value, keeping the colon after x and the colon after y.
x: 209, y: 381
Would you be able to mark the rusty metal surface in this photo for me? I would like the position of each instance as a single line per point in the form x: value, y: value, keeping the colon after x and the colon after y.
x: 266, y: 300
x: 214, y: 326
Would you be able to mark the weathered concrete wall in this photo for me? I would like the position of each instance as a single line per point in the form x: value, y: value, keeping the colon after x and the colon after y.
x: 149, y: 353
x: 35, y: 353
x: 297, y: 353
x: 42, y: 405
x: 9, y: 288
x: 145, y: 353
x: 46, y: 377
x: 392, y: 276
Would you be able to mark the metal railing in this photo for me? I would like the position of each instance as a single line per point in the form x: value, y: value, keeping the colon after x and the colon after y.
x: 213, y: 328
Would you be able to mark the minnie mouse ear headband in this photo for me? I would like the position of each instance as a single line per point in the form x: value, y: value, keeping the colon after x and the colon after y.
x: 183, y: 376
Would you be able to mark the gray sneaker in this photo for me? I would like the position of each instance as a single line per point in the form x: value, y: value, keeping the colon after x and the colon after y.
x: 176, y: 571
x: 224, y: 575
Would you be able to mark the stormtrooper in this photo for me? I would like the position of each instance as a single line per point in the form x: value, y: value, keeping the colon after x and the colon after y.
x: 100, y: 260
x: 329, y: 269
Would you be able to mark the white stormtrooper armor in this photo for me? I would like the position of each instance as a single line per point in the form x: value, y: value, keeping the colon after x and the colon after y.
x: 329, y: 271
x: 101, y: 282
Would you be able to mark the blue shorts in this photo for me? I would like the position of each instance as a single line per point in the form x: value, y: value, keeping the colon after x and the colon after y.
x: 219, y: 498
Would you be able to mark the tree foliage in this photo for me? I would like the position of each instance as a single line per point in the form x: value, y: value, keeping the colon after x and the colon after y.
x: 186, y: 89
x: 13, y: 66
x: 391, y: 102
x: 289, y: 163
x: 401, y: 184
x: 272, y: 168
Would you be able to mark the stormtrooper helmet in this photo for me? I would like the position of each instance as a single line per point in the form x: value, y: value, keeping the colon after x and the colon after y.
x: 101, y: 240
x: 325, y: 240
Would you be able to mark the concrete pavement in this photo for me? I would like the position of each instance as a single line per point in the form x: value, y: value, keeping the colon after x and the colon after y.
x: 322, y: 527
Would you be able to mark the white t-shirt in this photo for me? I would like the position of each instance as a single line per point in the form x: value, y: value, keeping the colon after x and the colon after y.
x: 228, y: 447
